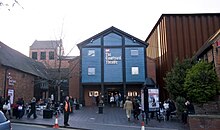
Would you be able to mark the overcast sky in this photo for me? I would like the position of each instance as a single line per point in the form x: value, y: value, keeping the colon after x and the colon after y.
x: 76, y: 20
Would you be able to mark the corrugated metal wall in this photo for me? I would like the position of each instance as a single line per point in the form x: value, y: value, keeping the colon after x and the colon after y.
x: 179, y: 36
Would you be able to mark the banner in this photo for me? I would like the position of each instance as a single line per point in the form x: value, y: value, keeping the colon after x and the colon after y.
x: 153, y: 99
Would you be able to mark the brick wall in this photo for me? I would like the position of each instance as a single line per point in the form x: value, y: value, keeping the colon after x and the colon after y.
x: 204, y: 122
x: 74, y: 84
x: 49, y: 63
x: 90, y: 101
x: 24, y: 86
x: 211, y: 107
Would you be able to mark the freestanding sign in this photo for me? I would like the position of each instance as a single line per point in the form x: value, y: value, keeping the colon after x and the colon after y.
x: 153, y: 99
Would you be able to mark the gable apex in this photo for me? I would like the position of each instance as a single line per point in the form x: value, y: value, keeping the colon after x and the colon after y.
x: 112, y: 29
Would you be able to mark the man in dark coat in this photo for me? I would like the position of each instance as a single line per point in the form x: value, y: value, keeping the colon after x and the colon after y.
x: 67, y: 110
x: 33, y: 108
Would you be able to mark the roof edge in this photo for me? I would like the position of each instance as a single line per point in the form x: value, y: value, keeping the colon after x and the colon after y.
x: 183, y: 14
x: 106, y: 31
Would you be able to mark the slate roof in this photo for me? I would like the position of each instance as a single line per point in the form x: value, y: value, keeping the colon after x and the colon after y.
x: 109, y: 30
x: 14, y: 59
x: 54, y: 73
x: 50, y: 44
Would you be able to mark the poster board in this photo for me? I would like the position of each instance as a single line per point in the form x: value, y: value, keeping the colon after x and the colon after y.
x: 153, y: 99
x: 11, y: 94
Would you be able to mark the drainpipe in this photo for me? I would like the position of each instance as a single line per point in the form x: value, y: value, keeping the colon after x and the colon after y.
x: 5, y: 81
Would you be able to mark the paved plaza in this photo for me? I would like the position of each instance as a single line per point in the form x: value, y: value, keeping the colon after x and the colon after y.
x: 111, y: 119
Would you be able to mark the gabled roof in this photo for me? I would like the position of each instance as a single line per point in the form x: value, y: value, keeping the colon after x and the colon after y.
x: 107, y: 31
x: 207, y: 45
x: 50, y: 44
x: 14, y: 59
x: 181, y: 15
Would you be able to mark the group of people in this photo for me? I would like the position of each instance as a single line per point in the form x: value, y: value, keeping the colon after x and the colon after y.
x: 115, y: 100
x: 6, y: 107
x: 133, y: 106
x: 19, y: 107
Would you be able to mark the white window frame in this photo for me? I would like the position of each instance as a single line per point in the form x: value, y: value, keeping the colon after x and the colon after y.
x: 135, y: 70
x: 91, y: 71
x: 134, y: 52
x: 91, y: 52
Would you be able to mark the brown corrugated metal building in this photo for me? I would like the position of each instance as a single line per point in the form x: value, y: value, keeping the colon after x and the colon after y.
x: 178, y: 36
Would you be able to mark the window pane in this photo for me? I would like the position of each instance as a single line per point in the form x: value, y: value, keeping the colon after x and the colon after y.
x: 134, y: 52
x: 91, y: 52
x: 130, y: 94
x: 43, y: 55
x: 134, y: 70
x: 34, y: 55
x: 91, y: 71
x: 51, y: 55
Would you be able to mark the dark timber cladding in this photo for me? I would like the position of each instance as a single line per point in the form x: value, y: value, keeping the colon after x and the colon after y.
x: 179, y: 36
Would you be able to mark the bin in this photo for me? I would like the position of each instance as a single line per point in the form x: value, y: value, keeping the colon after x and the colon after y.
x: 100, y: 109
x: 77, y: 106
x: 47, y: 114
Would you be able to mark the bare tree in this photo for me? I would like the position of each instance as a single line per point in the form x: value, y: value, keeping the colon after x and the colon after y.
x: 9, y: 4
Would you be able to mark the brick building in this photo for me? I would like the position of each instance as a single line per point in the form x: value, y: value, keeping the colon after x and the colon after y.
x: 74, y: 77
x: 21, y: 76
x: 49, y: 53
x: 178, y: 36
x: 210, y: 51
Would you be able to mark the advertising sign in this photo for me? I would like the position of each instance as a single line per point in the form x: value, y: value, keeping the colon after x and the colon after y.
x: 153, y: 99
x: 11, y: 94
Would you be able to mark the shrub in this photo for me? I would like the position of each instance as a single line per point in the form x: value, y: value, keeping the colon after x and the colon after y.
x: 201, y: 82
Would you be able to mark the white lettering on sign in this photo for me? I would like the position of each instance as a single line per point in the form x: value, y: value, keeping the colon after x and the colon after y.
x: 11, y: 81
x: 111, y: 59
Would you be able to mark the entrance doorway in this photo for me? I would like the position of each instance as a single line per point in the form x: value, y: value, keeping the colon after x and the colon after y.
x: 112, y: 93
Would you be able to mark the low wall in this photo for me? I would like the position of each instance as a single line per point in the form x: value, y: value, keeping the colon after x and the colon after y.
x: 204, y: 122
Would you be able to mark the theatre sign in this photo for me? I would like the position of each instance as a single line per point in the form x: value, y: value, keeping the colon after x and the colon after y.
x: 109, y: 59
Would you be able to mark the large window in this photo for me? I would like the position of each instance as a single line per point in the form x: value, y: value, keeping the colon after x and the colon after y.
x: 134, y: 52
x: 134, y: 70
x: 51, y: 55
x: 91, y: 71
x: 91, y: 52
x: 34, y: 55
x: 43, y: 55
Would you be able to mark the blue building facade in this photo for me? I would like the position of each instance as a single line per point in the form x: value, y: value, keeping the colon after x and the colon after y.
x: 113, y: 62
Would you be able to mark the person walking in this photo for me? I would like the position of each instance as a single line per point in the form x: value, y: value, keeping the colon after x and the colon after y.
x: 189, y: 110
x: 33, y: 108
x: 1, y: 103
x: 128, y: 106
x: 136, y: 109
x: 117, y: 100
x: 7, y: 107
x: 112, y: 99
x: 20, y: 109
x: 67, y: 110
